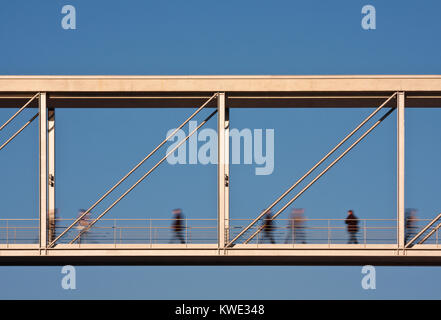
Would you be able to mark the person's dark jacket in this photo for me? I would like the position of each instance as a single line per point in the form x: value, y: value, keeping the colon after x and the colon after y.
x: 352, y: 222
x: 178, y: 224
x: 267, y: 222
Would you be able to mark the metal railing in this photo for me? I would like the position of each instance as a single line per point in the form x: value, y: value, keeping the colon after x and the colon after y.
x: 319, y: 231
x: 427, y: 231
x: 204, y: 231
x: 142, y: 231
x: 19, y: 231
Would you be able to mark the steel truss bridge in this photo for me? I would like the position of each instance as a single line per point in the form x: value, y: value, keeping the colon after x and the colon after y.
x: 221, y: 241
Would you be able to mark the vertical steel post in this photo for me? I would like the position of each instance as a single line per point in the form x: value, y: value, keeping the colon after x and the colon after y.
x: 43, y: 169
x: 51, y: 173
x: 114, y: 232
x: 227, y: 174
x: 329, y: 232
x: 365, y: 232
x: 223, y: 169
x: 400, y: 169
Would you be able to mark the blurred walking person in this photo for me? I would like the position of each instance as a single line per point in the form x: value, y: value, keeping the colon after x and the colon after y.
x: 178, y: 226
x: 268, y: 227
x: 296, y: 227
x: 352, y: 227
x: 410, y: 224
x: 83, y: 224
x: 52, y: 222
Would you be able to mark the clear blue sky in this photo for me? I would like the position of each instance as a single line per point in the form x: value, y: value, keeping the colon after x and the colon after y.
x: 95, y: 148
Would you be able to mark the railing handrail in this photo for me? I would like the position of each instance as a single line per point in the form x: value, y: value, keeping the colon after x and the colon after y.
x: 15, y: 219
x: 203, y: 230
x: 321, y: 219
x: 422, y: 231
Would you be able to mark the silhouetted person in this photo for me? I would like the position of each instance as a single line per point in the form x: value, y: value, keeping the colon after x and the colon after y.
x: 296, y: 227
x: 178, y: 226
x: 268, y: 227
x: 410, y: 223
x: 352, y: 225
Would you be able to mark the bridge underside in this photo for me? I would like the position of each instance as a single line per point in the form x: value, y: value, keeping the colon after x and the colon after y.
x: 240, y: 255
x: 235, y: 100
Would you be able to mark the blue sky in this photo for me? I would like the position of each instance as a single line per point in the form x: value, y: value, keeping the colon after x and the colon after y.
x: 95, y: 148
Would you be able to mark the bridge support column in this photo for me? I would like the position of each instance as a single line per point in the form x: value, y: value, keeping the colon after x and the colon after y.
x: 227, y: 175
x: 51, y: 174
x: 223, y: 170
x: 43, y: 169
x: 400, y: 170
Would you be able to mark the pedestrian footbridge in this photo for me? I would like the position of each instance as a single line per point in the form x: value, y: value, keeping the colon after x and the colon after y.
x: 104, y: 240
x: 153, y: 241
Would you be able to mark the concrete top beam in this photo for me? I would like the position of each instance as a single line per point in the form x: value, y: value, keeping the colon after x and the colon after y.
x: 354, y: 83
x: 242, y: 91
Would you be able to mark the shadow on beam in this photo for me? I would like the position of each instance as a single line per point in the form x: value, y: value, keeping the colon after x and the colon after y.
x: 235, y: 100
x: 221, y: 261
